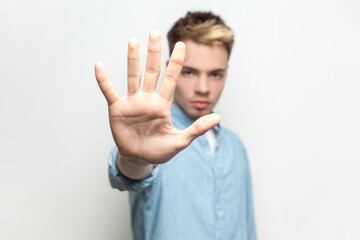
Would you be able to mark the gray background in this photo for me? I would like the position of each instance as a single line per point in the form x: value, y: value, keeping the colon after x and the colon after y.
x: 292, y: 95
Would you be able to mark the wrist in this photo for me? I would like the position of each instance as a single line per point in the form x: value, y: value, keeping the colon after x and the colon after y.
x: 133, y: 168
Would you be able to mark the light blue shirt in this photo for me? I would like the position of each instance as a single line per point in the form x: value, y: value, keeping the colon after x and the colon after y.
x: 196, y: 195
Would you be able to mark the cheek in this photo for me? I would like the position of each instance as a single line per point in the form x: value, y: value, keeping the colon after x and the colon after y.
x: 184, y: 87
x: 217, y: 87
x: 180, y: 92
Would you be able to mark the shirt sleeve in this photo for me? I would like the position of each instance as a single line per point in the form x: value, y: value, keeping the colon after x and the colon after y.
x: 123, y: 183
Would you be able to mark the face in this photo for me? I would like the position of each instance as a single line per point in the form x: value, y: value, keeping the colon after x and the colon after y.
x: 202, y: 78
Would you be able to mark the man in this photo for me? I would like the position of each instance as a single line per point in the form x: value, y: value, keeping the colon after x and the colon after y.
x: 182, y: 184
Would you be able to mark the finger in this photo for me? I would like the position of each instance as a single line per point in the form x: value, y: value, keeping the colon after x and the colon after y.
x: 173, y: 71
x: 104, y: 83
x: 199, y: 127
x: 133, y: 71
x: 153, y: 62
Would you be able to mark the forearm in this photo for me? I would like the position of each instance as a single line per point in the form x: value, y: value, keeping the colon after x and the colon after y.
x: 133, y: 169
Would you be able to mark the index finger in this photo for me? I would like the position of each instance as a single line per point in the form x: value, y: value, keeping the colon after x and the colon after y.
x: 173, y: 71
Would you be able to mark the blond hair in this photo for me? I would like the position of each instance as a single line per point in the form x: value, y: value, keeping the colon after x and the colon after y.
x: 201, y: 27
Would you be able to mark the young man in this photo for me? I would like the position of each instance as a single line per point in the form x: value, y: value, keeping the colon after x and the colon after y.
x: 182, y: 184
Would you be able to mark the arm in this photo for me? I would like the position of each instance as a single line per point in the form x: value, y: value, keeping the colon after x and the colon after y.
x: 141, y: 121
x: 119, y: 181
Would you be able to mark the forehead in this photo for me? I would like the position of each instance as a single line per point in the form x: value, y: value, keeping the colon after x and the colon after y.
x: 205, y: 57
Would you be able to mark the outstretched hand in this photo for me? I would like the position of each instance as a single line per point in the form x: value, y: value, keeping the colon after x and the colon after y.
x: 141, y: 121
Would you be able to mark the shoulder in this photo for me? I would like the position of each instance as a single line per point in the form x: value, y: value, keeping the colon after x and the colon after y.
x: 231, y: 138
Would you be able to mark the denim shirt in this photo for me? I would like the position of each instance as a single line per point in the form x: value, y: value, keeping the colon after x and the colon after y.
x: 196, y: 195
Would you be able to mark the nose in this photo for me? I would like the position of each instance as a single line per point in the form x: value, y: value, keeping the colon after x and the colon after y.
x: 202, y: 85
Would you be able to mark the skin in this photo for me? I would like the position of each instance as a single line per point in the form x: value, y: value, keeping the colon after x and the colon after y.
x: 141, y: 121
x: 202, y: 78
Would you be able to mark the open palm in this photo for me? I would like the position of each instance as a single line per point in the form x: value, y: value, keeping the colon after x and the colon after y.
x: 141, y: 121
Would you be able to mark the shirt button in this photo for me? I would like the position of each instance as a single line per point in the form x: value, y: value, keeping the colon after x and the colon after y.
x: 217, y: 181
x: 208, y: 153
x: 219, y: 213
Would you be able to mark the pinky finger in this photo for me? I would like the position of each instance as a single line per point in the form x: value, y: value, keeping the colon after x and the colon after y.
x: 104, y: 83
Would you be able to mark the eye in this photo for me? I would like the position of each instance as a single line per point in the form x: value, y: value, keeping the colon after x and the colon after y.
x: 187, y: 73
x: 217, y: 75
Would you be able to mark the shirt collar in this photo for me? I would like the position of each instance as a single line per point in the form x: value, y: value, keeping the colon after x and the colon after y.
x: 185, y: 120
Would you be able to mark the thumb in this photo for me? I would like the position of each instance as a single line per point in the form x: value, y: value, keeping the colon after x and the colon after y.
x: 198, y: 128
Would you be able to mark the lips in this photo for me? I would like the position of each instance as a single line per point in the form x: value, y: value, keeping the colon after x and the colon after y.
x: 200, y: 104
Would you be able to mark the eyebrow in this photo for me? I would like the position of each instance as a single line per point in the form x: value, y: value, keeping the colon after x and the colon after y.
x: 195, y: 70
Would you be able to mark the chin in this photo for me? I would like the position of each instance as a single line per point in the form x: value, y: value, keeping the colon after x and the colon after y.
x: 194, y: 113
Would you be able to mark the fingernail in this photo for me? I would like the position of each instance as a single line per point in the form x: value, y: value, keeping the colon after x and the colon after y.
x: 155, y: 34
x: 133, y: 42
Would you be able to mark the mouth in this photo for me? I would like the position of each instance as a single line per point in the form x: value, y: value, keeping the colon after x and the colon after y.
x: 200, y: 105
